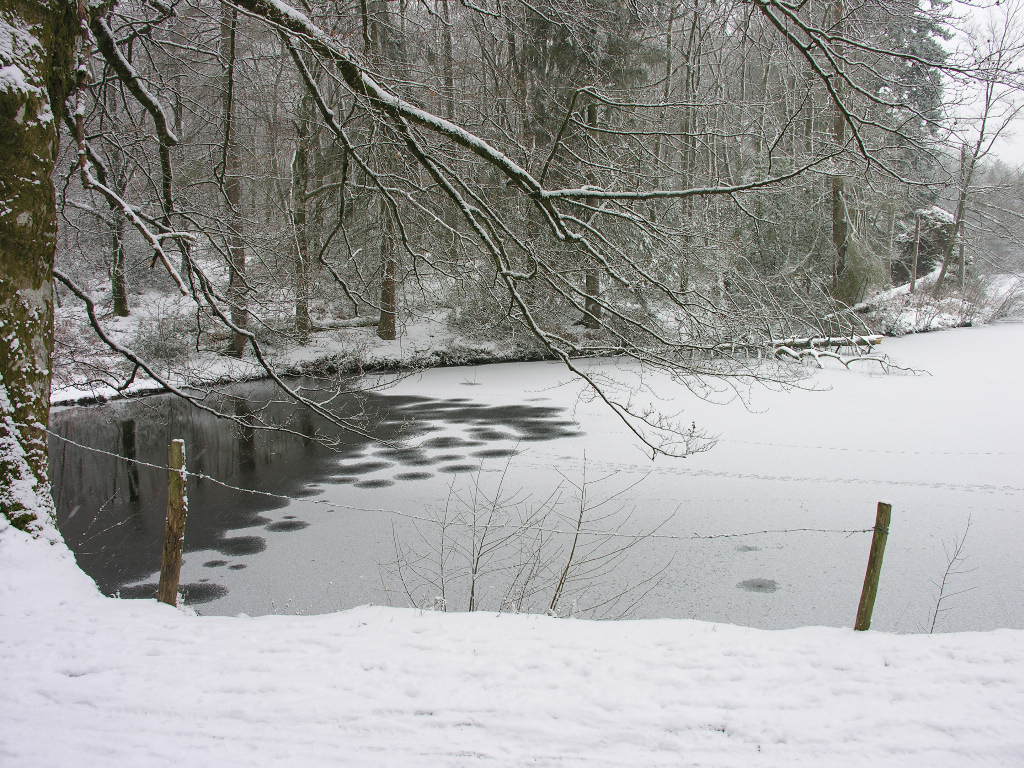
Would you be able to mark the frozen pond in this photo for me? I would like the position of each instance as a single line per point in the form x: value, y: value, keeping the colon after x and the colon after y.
x: 468, y: 453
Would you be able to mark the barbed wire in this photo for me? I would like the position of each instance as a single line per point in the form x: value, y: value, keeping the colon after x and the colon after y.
x: 453, y: 522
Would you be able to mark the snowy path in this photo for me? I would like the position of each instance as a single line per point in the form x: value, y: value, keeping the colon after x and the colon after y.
x: 89, y: 681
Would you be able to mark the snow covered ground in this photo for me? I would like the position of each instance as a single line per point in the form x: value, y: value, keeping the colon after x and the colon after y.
x: 92, y: 681
x: 159, y: 330
x: 89, y: 681
x: 897, y: 311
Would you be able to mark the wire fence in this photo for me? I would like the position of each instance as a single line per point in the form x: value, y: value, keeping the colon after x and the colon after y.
x: 617, y: 534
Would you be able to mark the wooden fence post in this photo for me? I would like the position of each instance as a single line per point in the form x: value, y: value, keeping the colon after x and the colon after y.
x: 870, y: 590
x: 174, y: 534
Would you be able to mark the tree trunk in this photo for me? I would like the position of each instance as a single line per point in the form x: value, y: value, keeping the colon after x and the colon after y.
x: 917, y: 252
x: 232, y: 185
x: 592, y: 304
x: 966, y: 174
x: 447, y: 64
x: 118, y: 178
x: 840, y: 222
x: 118, y: 278
x: 388, y: 284
x: 388, y: 44
x: 663, y: 156
x: 300, y: 206
x: 31, y: 108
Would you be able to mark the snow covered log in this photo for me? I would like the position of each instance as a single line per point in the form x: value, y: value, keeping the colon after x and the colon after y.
x: 811, y: 342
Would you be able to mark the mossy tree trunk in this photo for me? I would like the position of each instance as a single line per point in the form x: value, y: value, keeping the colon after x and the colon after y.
x: 41, y: 38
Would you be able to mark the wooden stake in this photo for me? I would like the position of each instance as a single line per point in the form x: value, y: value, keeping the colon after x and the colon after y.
x: 174, y: 534
x: 874, y: 571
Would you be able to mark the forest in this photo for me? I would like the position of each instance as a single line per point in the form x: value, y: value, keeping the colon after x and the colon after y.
x: 655, y: 254
x: 653, y: 179
x: 695, y: 187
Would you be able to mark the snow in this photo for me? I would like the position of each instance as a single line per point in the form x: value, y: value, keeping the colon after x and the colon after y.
x: 23, y: 493
x: 93, y: 681
x: 897, y: 312
x: 423, y: 341
x: 936, y: 213
x: 13, y: 79
x: 19, y: 50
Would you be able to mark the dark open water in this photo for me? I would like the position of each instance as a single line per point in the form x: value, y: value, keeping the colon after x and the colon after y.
x: 111, y: 511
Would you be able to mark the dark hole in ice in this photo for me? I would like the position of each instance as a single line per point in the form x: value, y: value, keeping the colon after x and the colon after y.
x: 196, y: 594
x: 214, y: 563
x: 492, y: 434
x: 412, y: 475
x: 495, y: 453
x: 420, y: 460
x: 237, y: 567
x: 453, y: 468
x: 759, y: 585
x: 363, y: 467
x: 241, y: 545
x: 401, y: 455
x: 374, y: 483
x: 287, y: 525
x: 448, y: 441
x: 137, y: 591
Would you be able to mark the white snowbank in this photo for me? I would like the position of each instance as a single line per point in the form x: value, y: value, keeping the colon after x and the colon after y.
x: 897, y: 311
x: 90, y: 681
x: 424, y: 339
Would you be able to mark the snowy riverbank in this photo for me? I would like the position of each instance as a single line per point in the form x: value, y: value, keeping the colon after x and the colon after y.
x: 92, y: 681
x: 87, y: 372
x: 159, y: 330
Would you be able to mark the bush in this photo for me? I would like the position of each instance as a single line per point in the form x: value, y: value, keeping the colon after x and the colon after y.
x: 164, y: 334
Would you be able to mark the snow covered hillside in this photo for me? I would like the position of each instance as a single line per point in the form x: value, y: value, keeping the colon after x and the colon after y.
x: 91, y: 681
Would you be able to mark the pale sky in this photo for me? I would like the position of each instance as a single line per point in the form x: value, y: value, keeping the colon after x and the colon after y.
x: 1010, y: 145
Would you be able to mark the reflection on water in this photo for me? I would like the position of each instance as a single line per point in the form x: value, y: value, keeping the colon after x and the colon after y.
x: 111, y: 511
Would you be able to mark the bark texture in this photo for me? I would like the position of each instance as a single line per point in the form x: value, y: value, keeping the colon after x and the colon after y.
x: 32, y: 93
